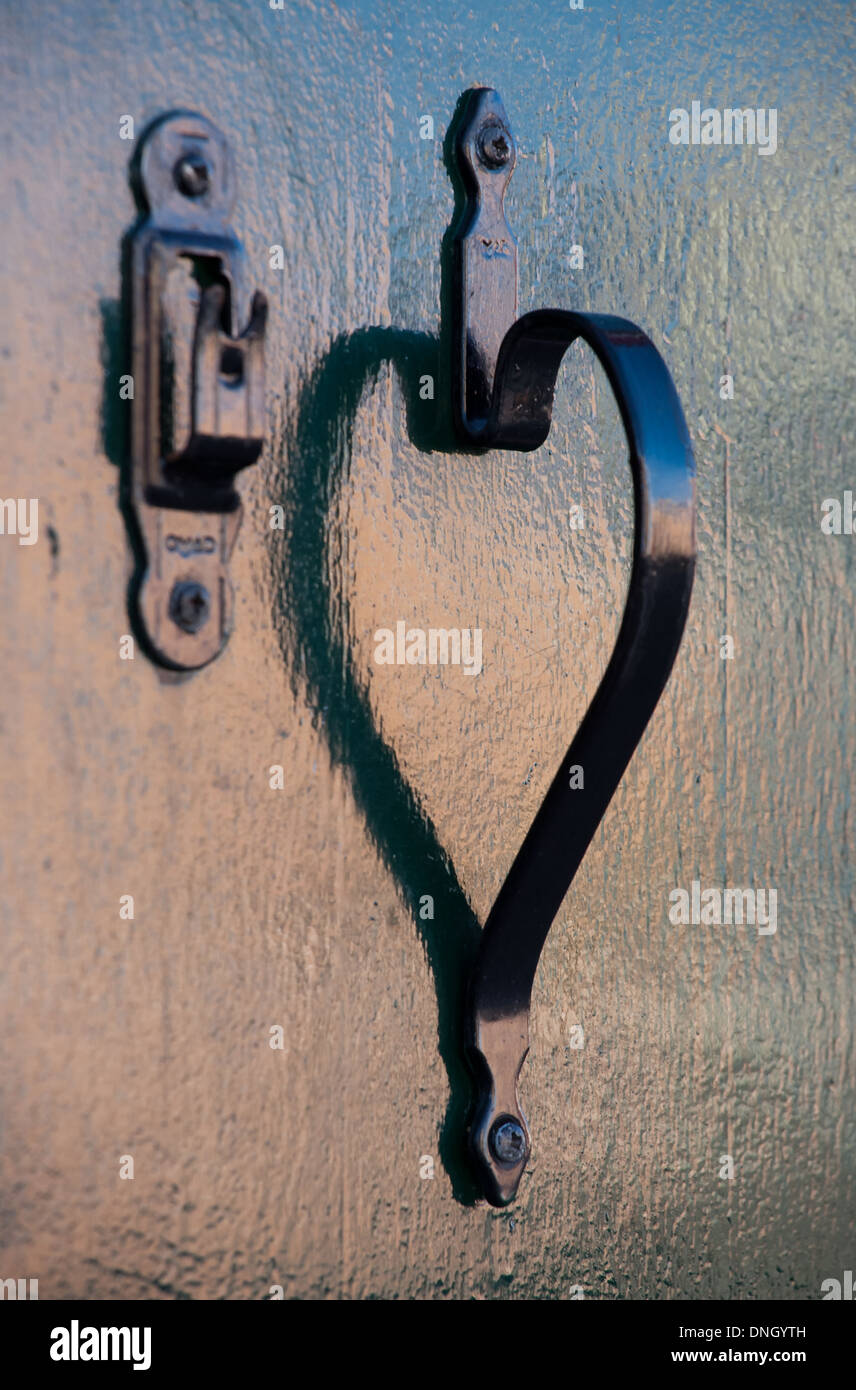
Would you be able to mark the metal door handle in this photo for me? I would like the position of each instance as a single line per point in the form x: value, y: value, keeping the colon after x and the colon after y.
x: 503, y: 395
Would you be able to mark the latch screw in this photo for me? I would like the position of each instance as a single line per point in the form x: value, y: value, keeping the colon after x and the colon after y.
x: 189, y: 605
x: 192, y: 175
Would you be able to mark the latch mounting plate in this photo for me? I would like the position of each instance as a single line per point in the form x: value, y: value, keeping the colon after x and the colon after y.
x: 198, y: 403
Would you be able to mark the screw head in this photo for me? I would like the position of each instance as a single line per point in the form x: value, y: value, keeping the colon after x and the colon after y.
x: 192, y: 175
x: 508, y: 1141
x: 189, y: 605
x: 494, y: 145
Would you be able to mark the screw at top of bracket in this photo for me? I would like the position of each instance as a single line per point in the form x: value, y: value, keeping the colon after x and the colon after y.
x: 494, y: 145
x: 192, y: 175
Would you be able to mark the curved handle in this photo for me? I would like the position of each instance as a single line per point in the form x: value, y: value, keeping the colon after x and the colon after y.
x: 503, y: 397
x: 661, y: 580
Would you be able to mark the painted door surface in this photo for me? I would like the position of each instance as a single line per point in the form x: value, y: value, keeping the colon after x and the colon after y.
x: 690, y: 1087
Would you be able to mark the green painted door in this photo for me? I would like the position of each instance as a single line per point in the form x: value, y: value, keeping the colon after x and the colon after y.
x: 690, y: 1087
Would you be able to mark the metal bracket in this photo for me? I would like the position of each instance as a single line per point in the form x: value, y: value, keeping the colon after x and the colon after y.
x: 198, y: 405
x: 503, y: 397
x: 485, y: 252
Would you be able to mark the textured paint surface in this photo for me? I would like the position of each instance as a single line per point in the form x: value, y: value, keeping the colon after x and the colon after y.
x: 300, y: 907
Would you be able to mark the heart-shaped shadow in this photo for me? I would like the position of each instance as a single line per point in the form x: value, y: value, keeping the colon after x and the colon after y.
x: 312, y: 623
x: 313, y: 626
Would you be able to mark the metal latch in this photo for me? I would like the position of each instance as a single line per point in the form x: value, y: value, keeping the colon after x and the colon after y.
x: 198, y: 404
